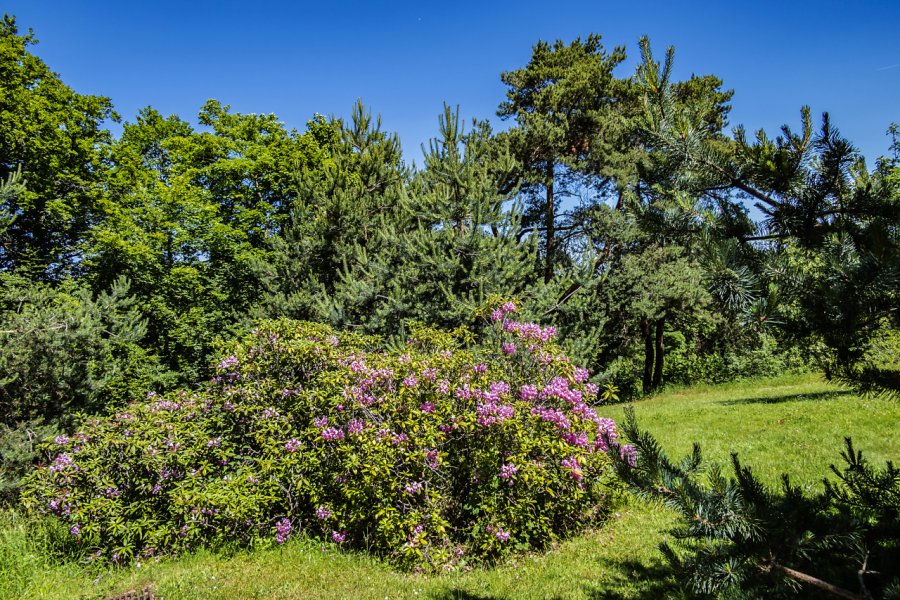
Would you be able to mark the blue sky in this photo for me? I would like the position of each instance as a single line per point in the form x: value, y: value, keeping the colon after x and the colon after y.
x: 404, y: 59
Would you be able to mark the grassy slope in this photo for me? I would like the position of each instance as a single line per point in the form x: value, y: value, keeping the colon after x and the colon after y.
x: 795, y: 424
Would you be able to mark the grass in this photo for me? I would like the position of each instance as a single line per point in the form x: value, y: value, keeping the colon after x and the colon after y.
x: 794, y: 424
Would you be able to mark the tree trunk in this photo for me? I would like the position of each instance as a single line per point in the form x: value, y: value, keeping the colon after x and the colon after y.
x: 550, y: 224
x: 649, y: 352
x: 660, y: 353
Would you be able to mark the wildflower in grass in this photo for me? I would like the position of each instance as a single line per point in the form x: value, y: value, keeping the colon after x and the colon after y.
x: 338, y: 537
x: 283, y: 530
x: 75, y: 530
x: 508, y: 348
x: 292, y: 445
x: 333, y: 434
x: 323, y: 513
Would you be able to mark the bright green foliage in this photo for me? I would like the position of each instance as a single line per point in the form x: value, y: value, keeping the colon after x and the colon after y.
x: 53, y: 136
x: 62, y: 350
x: 187, y: 219
x: 431, y: 455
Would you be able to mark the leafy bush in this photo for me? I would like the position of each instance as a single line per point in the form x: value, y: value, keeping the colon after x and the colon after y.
x: 431, y: 454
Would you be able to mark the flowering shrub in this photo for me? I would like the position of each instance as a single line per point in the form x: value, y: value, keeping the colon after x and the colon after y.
x: 431, y: 455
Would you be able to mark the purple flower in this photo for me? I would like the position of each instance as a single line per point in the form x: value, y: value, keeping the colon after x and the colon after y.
x: 323, y: 513
x: 320, y: 422
x: 228, y: 362
x: 111, y: 492
x: 427, y: 407
x: 61, y: 440
x: 292, y: 445
x: 338, y: 537
x: 629, y: 454
x: 75, y: 530
x: 332, y: 434
x: 332, y: 340
x: 355, y: 426
x: 283, y: 530
x: 528, y: 393
x: 413, y: 488
x: 497, y: 314
x: 443, y: 386
x: 490, y: 413
x: 574, y: 467
x: 431, y: 459
x: 501, y: 535
x: 509, y: 307
x: 156, y: 489
x: 214, y: 442
x: 508, y: 348
x: 411, y: 381
x: 62, y: 462
x: 581, y: 375
x: 480, y: 368
x: 508, y: 471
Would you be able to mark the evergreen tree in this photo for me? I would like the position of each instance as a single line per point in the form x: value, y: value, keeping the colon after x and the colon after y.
x: 450, y: 245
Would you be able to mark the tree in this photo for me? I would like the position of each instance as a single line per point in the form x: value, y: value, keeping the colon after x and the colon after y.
x: 560, y: 101
x: 449, y: 245
x: 54, y: 137
x: 820, y: 202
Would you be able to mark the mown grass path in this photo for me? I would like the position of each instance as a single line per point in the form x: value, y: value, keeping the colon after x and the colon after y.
x: 794, y: 424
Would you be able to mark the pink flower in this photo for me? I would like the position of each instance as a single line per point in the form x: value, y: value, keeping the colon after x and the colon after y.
x: 508, y: 471
x: 411, y: 381
x: 413, y: 488
x: 501, y: 535
x: 355, y: 426
x: 497, y: 314
x: 427, y: 407
x: 321, y: 422
x: 509, y: 307
x: 480, y: 368
x: 581, y: 375
x: 508, y: 348
x: 292, y: 445
x: 338, y: 537
x: 528, y: 392
x: 574, y: 468
x: 323, y: 513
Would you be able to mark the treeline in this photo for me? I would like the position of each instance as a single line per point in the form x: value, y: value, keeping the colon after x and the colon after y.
x: 613, y: 207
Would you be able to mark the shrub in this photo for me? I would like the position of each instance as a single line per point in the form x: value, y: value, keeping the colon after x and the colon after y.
x: 431, y: 454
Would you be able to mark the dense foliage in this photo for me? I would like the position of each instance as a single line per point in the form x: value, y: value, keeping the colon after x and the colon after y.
x: 432, y: 454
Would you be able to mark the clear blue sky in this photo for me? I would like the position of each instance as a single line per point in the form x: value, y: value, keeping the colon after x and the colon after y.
x: 404, y: 59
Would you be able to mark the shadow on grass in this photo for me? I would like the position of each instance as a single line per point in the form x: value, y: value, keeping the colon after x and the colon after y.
x: 814, y: 397
x: 632, y: 580
x: 458, y: 594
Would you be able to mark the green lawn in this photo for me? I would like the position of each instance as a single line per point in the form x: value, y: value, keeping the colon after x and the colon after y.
x: 794, y: 423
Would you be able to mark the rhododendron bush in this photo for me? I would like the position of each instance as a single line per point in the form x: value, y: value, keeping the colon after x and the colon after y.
x: 433, y: 454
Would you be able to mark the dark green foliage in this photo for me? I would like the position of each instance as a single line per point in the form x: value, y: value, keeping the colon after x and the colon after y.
x: 63, y: 350
x: 740, y: 539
